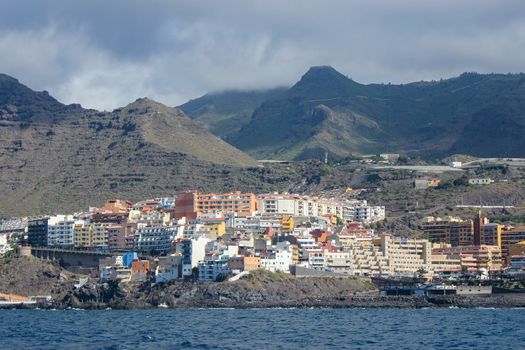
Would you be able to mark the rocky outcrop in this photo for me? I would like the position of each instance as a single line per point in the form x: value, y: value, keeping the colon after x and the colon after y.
x: 29, y: 276
x: 265, y: 290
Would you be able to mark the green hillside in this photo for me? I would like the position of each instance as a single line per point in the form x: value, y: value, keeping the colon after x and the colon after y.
x: 326, y: 111
x: 225, y: 113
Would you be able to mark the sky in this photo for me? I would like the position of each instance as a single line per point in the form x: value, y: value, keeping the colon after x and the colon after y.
x: 105, y: 54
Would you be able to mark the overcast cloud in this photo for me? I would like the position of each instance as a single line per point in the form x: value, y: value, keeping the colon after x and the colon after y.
x: 105, y: 54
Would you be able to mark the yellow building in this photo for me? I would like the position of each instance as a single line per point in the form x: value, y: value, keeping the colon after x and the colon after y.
x: 100, y: 234
x: 218, y: 228
x: 509, y: 238
x: 515, y: 249
x: 287, y: 223
x: 295, y: 253
x: 457, y: 232
x: 94, y: 235
x: 82, y: 235
x: 472, y: 257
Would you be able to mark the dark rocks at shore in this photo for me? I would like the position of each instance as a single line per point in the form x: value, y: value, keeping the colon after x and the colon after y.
x: 261, y: 289
x: 266, y: 290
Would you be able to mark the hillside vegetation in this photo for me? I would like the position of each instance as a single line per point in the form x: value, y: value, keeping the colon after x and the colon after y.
x: 326, y: 111
x: 225, y: 113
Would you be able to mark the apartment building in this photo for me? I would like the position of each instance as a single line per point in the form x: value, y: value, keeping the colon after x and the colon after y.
x: 37, y: 231
x: 168, y: 268
x: 155, y: 239
x: 368, y: 259
x: 338, y: 262
x: 406, y: 255
x: 121, y: 237
x: 453, y: 231
x: 509, y: 238
x: 91, y: 235
x: 193, y: 252
x: 279, y: 257
x: 472, y: 258
x: 192, y: 204
x: 60, y: 231
x: 296, y: 205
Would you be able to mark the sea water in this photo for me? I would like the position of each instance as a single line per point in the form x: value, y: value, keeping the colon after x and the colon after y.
x: 264, y: 329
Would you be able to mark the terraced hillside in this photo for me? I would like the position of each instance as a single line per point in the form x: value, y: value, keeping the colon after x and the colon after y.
x: 55, y: 157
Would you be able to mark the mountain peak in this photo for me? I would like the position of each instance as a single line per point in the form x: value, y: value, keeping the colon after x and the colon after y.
x: 145, y: 105
x: 7, y: 79
x: 324, y: 74
x: 316, y: 71
x: 323, y: 81
x: 23, y: 102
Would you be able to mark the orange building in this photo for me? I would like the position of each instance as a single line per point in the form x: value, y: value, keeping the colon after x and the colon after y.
x: 140, y: 267
x: 511, y: 237
x: 192, y: 204
x: 252, y: 263
x: 116, y: 206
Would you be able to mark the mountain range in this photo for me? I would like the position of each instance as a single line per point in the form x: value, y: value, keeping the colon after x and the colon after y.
x: 325, y: 111
x: 63, y: 157
x: 57, y: 157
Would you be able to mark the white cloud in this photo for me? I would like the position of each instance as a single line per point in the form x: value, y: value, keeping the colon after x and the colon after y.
x: 106, y: 54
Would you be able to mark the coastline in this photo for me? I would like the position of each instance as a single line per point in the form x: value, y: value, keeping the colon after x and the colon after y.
x: 498, y: 301
x: 259, y: 289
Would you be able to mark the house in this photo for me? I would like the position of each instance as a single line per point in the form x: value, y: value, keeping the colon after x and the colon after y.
x: 278, y: 258
x: 169, y: 268
x: 140, y: 269
x: 251, y: 263
x: 213, y: 270
x: 193, y: 252
x: 480, y: 181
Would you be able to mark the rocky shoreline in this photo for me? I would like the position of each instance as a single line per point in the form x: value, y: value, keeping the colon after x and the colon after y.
x: 328, y: 293
x: 259, y: 289
x: 400, y: 302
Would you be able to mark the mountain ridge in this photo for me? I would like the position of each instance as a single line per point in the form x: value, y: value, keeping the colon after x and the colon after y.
x: 214, y: 110
x: 63, y: 157
x: 422, y: 118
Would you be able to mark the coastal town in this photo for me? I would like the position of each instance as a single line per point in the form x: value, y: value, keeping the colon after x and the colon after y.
x: 213, y: 237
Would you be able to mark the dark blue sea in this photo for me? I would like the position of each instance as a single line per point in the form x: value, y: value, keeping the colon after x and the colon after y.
x: 264, y: 329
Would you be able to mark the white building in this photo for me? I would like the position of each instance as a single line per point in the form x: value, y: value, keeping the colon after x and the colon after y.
x: 480, y: 181
x: 60, y: 231
x: 316, y: 259
x: 368, y: 214
x: 191, y: 230
x: 256, y: 222
x: 296, y: 205
x: 4, y: 244
x: 280, y: 258
x: 169, y: 268
x: 338, y: 262
x: 155, y: 238
x: 212, y: 270
x: 307, y: 245
x: 193, y: 251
